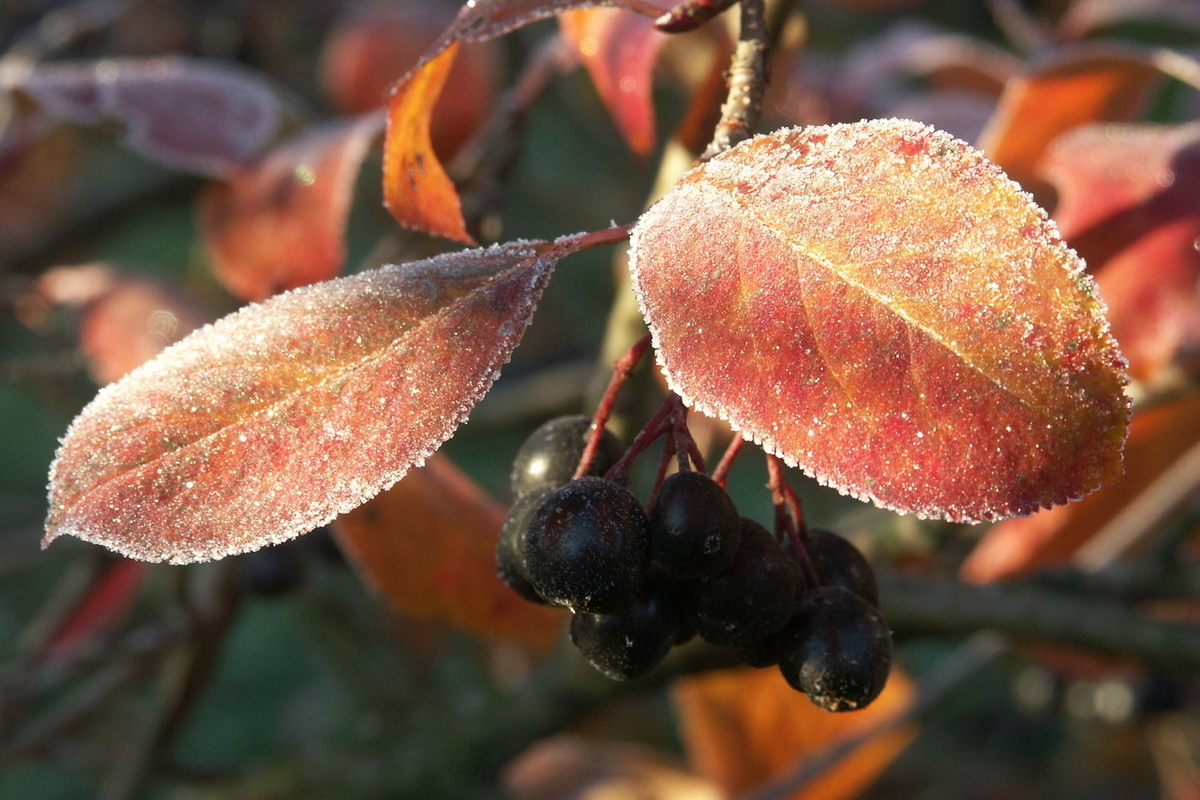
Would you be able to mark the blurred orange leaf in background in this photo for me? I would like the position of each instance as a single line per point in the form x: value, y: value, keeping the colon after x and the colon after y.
x: 428, y: 544
x: 745, y: 726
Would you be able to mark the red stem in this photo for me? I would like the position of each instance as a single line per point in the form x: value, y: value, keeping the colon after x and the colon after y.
x: 621, y: 372
x: 577, y: 242
x: 659, y: 425
x: 721, y: 473
x: 789, y: 518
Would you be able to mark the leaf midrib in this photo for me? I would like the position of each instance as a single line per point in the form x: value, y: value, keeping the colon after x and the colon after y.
x: 751, y: 214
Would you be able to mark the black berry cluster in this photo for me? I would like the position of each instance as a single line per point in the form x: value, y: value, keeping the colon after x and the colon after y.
x: 641, y: 580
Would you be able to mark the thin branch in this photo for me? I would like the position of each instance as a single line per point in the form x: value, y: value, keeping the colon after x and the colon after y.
x: 747, y: 82
x: 212, y: 598
x: 931, y: 605
x: 1146, y: 514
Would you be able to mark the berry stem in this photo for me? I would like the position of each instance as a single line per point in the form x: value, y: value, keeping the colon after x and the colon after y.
x: 621, y: 372
x: 721, y: 473
x: 659, y: 425
x: 789, y: 517
x: 669, y: 450
x: 685, y: 446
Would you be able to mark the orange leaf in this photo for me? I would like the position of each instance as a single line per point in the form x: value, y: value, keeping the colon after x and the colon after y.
x: 1129, y: 202
x: 618, y: 49
x: 372, y: 46
x: 429, y: 545
x: 1097, y: 85
x: 280, y: 224
x: 279, y: 417
x: 416, y: 188
x: 1158, y: 438
x: 742, y: 727
x: 880, y: 305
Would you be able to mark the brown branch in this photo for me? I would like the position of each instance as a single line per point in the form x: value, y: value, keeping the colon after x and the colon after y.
x: 747, y: 82
x: 934, y: 605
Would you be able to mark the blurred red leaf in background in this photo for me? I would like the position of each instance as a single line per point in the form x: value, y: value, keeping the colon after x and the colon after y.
x: 39, y: 160
x: 619, y: 48
x: 742, y: 727
x: 1086, y: 84
x: 281, y: 223
x: 372, y: 46
x: 1129, y: 203
x: 131, y: 323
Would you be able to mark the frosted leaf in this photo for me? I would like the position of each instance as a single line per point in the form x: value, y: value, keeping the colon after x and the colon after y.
x: 877, y: 281
x: 190, y: 114
x: 275, y: 419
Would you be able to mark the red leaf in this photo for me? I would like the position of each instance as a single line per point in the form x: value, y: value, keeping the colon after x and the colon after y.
x: 280, y: 225
x: 618, y: 49
x: 190, y: 114
x: 131, y: 323
x: 105, y: 602
x: 279, y: 417
x: 1089, y: 85
x: 879, y: 304
x: 416, y: 188
x: 429, y: 545
x: 1129, y: 202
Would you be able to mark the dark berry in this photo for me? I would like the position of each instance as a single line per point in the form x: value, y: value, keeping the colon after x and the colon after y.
x: 588, y: 546
x: 760, y: 652
x: 510, y: 549
x: 839, y: 563
x: 694, y: 526
x: 549, y: 457
x: 629, y: 643
x: 754, y: 597
x: 836, y: 649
